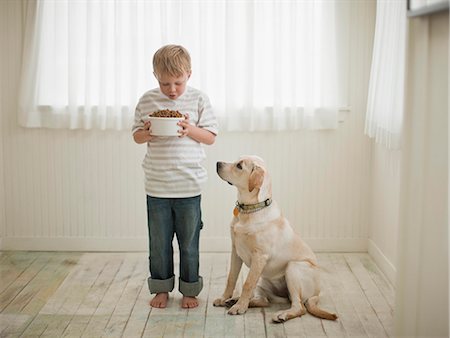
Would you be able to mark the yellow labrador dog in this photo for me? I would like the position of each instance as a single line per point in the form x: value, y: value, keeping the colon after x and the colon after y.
x: 281, y: 266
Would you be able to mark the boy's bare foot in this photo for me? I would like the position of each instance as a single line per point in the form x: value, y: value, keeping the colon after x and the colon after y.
x: 160, y: 300
x: 189, y: 302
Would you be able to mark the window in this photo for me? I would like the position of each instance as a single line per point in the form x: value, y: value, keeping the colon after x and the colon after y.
x: 266, y: 65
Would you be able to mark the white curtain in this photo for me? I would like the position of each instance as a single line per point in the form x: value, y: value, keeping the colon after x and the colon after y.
x: 422, y: 285
x: 266, y: 65
x: 385, y: 103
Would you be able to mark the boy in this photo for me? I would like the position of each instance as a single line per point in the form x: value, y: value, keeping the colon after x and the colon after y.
x: 173, y: 175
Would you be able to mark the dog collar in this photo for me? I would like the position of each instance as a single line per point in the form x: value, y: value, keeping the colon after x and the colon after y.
x: 249, y: 208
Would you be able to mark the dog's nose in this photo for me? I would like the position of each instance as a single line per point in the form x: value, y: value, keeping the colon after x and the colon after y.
x: 218, y: 166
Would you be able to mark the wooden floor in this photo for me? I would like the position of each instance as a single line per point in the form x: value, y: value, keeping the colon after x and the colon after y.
x: 45, y: 294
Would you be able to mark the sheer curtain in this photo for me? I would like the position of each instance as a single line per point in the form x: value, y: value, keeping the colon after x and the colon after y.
x: 422, y: 283
x: 266, y: 65
x: 385, y: 103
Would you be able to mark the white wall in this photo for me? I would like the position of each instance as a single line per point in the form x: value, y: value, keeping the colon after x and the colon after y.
x: 384, y: 208
x: 83, y: 190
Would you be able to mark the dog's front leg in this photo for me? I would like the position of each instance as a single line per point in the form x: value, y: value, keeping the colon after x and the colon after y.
x: 257, y: 265
x: 235, y: 268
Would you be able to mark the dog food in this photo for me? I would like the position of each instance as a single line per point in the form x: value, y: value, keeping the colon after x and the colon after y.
x: 166, y: 113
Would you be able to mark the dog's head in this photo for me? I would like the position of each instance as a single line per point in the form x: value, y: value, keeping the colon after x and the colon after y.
x: 249, y: 176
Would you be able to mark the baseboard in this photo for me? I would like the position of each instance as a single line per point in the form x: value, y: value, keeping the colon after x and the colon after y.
x: 382, y: 261
x: 207, y: 244
x: 75, y: 244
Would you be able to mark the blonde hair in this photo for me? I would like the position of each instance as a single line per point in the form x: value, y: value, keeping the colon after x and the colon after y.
x: 173, y: 60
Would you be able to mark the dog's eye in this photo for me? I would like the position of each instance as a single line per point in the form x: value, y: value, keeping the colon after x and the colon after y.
x: 239, y: 165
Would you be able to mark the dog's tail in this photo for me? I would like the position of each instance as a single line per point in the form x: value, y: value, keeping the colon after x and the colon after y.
x: 311, y: 306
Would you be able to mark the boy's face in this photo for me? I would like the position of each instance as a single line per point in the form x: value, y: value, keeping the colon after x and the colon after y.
x: 172, y: 86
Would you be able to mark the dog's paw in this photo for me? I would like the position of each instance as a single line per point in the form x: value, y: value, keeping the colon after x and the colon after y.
x: 219, y: 302
x: 237, y: 309
x: 279, y: 317
x: 231, y: 301
x: 284, y: 315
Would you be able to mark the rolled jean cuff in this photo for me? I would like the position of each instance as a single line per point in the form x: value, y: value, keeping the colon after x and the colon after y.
x: 160, y: 285
x: 191, y: 289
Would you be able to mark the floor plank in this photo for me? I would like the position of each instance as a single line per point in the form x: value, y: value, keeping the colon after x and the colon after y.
x: 386, y: 288
x: 97, y: 326
x: 355, y: 294
x: 13, y: 265
x: 139, y: 314
x: 373, y: 295
x: 16, y: 276
x: 327, y: 302
x: 106, y: 295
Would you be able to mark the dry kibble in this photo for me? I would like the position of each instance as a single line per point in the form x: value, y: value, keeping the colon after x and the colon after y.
x: 166, y: 113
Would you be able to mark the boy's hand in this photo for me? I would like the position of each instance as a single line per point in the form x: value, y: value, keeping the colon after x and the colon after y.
x: 148, y: 128
x: 143, y: 135
x: 197, y: 134
x: 185, y: 126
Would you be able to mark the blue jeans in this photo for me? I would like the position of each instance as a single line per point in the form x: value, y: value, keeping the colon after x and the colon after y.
x: 166, y: 217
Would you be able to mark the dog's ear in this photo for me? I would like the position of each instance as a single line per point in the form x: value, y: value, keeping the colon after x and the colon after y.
x: 256, y: 178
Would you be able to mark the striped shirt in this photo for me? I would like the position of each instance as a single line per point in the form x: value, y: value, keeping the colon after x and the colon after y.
x: 172, y: 164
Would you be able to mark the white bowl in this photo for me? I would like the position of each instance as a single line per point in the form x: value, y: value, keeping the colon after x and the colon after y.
x: 165, y: 126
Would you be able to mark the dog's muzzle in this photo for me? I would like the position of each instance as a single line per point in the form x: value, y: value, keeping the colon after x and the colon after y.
x: 219, y: 166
